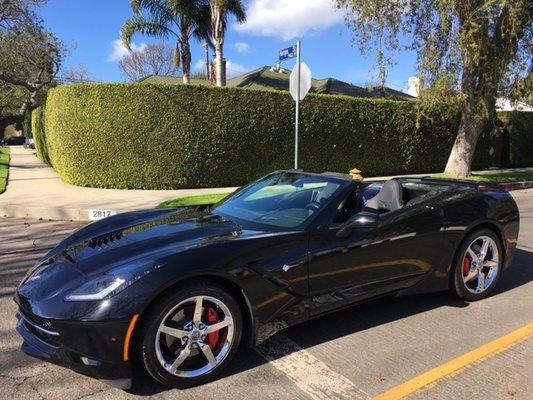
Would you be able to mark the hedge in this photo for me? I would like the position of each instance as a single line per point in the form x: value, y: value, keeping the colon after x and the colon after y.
x: 26, y: 127
x: 519, y: 126
x: 39, y: 136
x: 156, y: 136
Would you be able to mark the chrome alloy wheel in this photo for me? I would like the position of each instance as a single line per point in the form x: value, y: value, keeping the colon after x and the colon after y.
x: 194, y: 337
x: 480, y: 265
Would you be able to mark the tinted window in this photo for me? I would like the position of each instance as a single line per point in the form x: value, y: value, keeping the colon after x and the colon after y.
x: 283, y: 200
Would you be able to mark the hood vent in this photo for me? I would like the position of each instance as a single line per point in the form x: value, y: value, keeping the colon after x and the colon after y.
x: 106, y: 239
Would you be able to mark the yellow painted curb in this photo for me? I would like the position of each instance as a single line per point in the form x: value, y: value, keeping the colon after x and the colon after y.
x: 457, y: 365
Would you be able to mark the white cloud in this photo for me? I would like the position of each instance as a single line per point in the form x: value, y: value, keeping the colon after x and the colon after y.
x: 241, y: 47
x: 232, y: 69
x: 119, y: 51
x: 289, y: 19
x: 199, y: 65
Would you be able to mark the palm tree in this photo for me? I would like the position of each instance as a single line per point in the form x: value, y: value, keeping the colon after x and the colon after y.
x: 219, y: 13
x: 163, y: 18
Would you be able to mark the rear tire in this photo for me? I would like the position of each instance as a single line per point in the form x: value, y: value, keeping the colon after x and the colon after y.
x: 174, y: 344
x: 477, y: 266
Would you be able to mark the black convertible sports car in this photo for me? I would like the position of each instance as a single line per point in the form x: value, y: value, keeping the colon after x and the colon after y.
x: 176, y: 291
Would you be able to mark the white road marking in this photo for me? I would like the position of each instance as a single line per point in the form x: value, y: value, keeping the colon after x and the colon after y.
x: 310, y: 375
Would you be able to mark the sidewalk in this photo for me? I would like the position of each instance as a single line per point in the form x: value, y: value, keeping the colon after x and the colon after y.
x: 35, y: 191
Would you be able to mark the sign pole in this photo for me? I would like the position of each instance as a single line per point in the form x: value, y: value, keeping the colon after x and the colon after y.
x: 300, y: 82
x: 297, y: 122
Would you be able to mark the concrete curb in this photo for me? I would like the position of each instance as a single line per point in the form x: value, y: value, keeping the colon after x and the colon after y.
x: 46, y: 213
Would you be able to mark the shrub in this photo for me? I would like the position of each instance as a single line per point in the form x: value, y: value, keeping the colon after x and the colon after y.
x: 156, y: 136
x: 519, y: 125
x: 39, y: 135
x: 26, y: 127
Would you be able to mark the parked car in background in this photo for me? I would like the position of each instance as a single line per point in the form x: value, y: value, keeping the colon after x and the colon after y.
x: 14, y: 141
x: 29, y: 144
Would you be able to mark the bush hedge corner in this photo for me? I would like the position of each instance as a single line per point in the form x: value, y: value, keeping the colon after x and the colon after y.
x: 39, y: 134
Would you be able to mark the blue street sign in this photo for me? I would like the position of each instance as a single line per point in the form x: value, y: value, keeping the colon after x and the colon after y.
x: 289, y: 52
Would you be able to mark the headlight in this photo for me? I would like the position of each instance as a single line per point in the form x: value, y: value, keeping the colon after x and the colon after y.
x: 112, y: 282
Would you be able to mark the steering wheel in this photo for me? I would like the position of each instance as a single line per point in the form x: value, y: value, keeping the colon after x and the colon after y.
x: 313, y: 206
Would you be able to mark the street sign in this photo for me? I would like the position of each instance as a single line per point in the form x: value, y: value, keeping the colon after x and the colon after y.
x: 305, y: 82
x: 289, y: 52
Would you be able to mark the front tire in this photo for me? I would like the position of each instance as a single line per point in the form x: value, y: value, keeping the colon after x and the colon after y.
x: 477, y: 266
x: 190, y: 335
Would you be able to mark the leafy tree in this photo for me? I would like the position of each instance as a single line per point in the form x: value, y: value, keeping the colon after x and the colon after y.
x: 15, y: 12
x: 11, y: 97
x: 181, y: 19
x: 219, y: 14
x: 469, y: 52
x: 155, y: 59
x: 31, y: 60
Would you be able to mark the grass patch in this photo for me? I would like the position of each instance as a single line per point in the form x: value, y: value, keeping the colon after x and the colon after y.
x: 4, y: 168
x: 494, y: 177
x: 192, y: 201
x: 208, y: 199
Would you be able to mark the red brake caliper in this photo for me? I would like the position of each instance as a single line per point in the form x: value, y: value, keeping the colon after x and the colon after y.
x: 216, y: 339
x: 466, y: 265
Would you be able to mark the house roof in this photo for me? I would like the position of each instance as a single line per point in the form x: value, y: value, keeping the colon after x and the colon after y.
x: 268, y: 78
x: 273, y: 79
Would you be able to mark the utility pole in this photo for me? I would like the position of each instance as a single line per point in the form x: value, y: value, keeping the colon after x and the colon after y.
x: 206, y: 45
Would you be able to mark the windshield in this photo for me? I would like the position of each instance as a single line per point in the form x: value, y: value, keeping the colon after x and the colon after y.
x: 283, y: 200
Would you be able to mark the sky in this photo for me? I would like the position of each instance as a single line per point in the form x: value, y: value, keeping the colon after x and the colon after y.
x: 91, y: 31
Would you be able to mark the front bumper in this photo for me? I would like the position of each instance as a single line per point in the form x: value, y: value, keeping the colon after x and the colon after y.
x: 91, y: 348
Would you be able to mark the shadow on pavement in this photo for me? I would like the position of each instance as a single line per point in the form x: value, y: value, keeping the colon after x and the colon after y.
x: 362, y: 317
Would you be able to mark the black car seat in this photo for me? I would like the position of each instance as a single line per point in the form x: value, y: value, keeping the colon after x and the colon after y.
x: 389, y: 198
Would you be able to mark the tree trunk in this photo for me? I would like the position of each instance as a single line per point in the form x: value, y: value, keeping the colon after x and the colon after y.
x: 186, y: 58
x: 460, y: 161
x: 220, y: 64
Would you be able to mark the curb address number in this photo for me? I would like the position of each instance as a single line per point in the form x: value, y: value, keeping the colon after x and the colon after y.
x: 95, y: 215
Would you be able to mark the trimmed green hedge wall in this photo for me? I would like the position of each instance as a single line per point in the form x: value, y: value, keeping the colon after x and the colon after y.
x: 519, y: 125
x: 155, y: 136
x: 39, y: 135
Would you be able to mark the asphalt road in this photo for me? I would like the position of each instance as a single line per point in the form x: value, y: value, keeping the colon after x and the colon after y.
x: 356, y: 353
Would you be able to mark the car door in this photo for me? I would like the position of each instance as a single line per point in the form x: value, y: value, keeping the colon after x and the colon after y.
x: 372, y: 261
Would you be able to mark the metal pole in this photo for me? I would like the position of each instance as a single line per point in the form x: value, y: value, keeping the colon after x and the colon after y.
x: 297, y: 124
x: 207, y: 61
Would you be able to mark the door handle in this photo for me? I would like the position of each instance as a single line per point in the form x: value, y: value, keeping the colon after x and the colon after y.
x: 288, y: 267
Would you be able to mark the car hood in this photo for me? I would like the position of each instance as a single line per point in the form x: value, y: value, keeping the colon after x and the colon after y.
x: 129, y: 236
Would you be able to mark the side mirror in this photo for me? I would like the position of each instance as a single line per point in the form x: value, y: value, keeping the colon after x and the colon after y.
x: 362, y: 219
